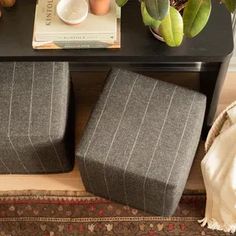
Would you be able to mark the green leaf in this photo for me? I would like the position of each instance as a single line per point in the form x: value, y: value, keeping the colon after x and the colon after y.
x: 121, y: 3
x: 147, y: 19
x: 171, y: 28
x: 196, y: 15
x: 230, y: 5
x: 157, y: 9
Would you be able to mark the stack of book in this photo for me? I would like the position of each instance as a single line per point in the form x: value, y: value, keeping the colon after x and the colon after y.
x: 50, y: 32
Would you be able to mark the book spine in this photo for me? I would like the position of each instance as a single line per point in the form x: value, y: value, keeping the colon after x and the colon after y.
x: 74, y: 45
x: 75, y: 37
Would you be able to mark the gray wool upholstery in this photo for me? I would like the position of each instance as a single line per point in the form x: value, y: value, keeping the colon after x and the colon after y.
x: 34, y: 99
x: 140, y: 142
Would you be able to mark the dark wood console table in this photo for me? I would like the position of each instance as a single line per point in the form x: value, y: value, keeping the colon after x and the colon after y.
x: 212, y: 48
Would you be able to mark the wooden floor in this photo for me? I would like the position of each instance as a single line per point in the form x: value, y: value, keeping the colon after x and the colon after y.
x: 87, y: 87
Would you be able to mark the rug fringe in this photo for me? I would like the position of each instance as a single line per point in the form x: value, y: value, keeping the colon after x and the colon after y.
x: 214, y: 225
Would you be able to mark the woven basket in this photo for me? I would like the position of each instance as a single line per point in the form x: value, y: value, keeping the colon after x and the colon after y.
x: 217, y: 126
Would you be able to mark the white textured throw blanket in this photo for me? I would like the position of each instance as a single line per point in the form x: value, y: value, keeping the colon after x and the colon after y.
x: 219, y: 173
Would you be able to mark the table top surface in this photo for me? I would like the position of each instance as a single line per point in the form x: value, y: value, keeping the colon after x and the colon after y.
x: 213, y: 44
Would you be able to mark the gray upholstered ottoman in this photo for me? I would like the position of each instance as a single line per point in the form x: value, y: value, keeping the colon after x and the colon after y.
x: 34, y: 133
x: 140, y: 142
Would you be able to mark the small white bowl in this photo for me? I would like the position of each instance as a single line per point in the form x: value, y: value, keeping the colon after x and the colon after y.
x: 72, y: 12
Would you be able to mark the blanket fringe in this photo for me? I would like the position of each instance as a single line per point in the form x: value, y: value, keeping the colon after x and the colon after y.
x: 214, y: 225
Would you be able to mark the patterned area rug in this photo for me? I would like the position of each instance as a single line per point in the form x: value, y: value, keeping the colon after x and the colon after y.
x: 70, y: 214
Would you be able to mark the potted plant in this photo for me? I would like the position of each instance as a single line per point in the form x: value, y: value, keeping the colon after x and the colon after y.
x: 171, y: 20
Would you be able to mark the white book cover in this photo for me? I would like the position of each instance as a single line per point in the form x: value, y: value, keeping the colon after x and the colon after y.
x: 49, y: 27
x: 79, y: 44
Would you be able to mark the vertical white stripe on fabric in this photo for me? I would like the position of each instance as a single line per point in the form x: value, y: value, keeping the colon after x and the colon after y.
x: 9, y: 121
x: 155, y: 148
x: 177, y: 152
x: 135, y: 141
x: 95, y: 129
x: 114, y: 136
x: 30, y: 118
x: 50, y: 119
x: 5, y: 166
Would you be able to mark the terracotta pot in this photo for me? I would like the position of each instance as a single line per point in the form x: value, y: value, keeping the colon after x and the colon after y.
x: 7, y: 3
x: 100, y: 7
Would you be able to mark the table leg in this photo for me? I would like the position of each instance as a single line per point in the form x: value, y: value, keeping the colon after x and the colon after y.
x: 212, y: 77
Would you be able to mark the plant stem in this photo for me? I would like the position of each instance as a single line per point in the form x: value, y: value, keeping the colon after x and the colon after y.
x: 178, y: 4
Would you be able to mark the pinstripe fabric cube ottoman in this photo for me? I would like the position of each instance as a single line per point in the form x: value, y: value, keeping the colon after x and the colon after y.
x: 34, y: 134
x: 140, y: 142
